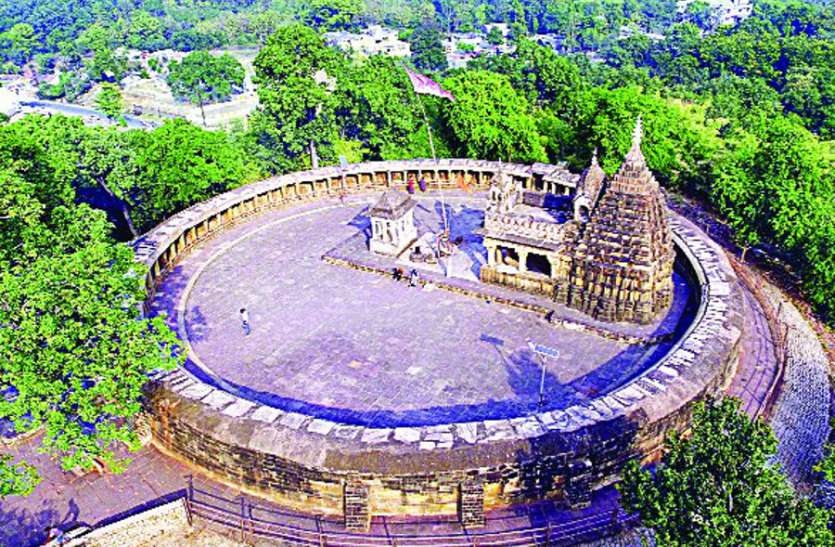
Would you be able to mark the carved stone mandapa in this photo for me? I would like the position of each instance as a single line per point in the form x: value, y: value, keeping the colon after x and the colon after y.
x: 613, y: 261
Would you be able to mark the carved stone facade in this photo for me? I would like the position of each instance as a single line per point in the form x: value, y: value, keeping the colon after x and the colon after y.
x: 392, y: 223
x: 613, y: 261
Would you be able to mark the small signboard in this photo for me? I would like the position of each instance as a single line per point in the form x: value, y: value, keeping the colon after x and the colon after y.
x: 545, y: 351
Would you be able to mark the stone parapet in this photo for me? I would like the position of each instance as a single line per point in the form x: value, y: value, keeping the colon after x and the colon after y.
x: 307, y: 462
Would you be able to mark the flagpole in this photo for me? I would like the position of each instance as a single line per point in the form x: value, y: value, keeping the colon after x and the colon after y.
x: 434, y: 159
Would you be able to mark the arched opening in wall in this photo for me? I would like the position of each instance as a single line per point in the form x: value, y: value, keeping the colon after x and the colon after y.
x: 583, y: 213
x: 538, y: 264
x: 508, y: 256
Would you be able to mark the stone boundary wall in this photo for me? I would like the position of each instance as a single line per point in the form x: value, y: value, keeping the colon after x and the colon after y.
x: 306, y: 462
x: 800, y: 417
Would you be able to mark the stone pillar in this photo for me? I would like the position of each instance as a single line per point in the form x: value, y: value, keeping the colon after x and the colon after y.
x: 523, y: 259
x: 555, y: 264
x: 471, y: 503
x: 357, y: 513
x: 579, y: 483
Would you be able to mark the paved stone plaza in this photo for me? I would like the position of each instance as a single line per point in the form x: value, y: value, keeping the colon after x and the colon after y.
x: 358, y: 347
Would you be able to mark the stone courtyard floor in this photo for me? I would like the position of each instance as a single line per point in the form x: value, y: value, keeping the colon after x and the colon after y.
x: 356, y: 347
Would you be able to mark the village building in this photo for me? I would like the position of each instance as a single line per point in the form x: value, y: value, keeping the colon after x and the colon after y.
x: 723, y: 12
x: 373, y: 40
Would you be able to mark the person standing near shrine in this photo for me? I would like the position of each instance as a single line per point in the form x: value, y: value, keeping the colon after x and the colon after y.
x: 414, y: 277
x: 410, y: 184
x: 245, y: 321
x: 422, y: 184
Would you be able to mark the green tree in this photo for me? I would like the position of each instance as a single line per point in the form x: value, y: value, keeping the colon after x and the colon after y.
x: 106, y: 162
x: 428, y: 48
x: 16, y: 479
x: 679, y: 143
x: 298, y: 79
x: 549, y: 79
x: 173, y: 167
x: 41, y: 151
x: 145, y: 31
x: 495, y: 36
x: 104, y: 63
x: 333, y: 14
x: 490, y: 120
x: 378, y: 107
x: 717, y: 487
x: 109, y: 101
x: 74, y: 356
x: 19, y: 42
x: 203, y: 78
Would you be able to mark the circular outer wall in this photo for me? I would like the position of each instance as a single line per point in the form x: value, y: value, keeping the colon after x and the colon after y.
x: 319, y: 465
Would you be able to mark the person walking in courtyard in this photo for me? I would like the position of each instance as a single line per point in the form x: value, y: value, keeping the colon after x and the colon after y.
x: 245, y: 321
x: 414, y: 277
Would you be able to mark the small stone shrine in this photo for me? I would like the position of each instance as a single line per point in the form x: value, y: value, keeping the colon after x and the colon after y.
x: 613, y: 261
x: 393, y: 227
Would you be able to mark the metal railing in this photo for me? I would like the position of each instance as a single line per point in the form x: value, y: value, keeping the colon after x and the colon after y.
x: 249, y: 521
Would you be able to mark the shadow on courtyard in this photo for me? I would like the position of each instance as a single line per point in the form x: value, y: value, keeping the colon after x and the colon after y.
x: 463, y: 224
x: 196, y: 325
x: 522, y: 368
x: 22, y: 526
x: 168, y: 294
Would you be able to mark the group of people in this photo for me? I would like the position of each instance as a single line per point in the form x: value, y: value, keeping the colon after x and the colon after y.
x: 414, y: 277
x: 410, y: 184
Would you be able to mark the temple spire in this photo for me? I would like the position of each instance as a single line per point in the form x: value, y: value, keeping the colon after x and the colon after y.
x: 594, y: 158
x: 634, y: 160
x: 637, y: 133
x: 635, y: 155
x: 634, y: 175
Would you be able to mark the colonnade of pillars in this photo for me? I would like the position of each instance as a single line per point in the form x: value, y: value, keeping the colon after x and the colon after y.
x: 326, y: 186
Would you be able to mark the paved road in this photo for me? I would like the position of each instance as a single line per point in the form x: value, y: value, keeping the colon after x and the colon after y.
x: 77, y: 110
x: 757, y: 360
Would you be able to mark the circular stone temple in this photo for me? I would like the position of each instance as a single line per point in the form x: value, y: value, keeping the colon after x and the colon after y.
x: 513, y: 369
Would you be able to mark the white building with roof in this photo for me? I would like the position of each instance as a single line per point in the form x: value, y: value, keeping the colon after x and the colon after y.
x: 373, y: 40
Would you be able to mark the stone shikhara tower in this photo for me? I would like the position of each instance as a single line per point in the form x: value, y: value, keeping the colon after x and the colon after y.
x: 613, y: 260
x: 621, y: 264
